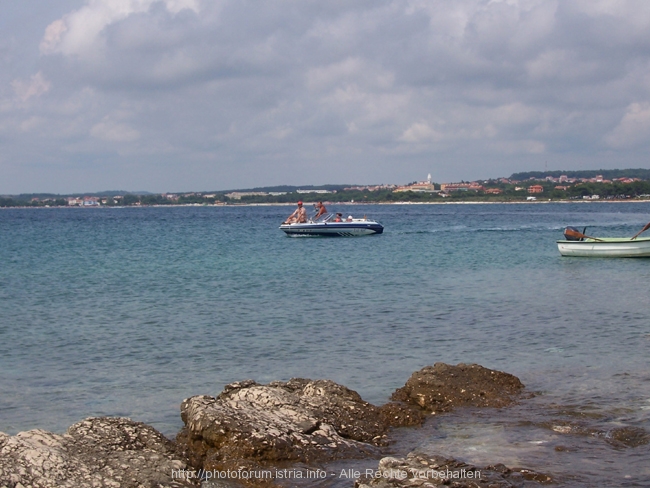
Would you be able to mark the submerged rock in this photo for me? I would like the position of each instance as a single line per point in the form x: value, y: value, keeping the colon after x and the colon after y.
x: 428, y: 471
x: 304, y: 421
x: 621, y: 437
x: 627, y: 436
x: 97, y: 452
x: 443, y: 387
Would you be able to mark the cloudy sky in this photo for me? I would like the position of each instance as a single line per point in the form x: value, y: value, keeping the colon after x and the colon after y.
x: 180, y: 95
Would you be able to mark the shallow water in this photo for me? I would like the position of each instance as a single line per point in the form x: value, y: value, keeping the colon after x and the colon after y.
x: 127, y: 311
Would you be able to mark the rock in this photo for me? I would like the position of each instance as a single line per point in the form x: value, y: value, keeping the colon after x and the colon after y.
x: 398, y: 414
x: 442, y: 387
x: 304, y: 421
x: 97, y: 452
x: 251, y: 426
x: 427, y: 471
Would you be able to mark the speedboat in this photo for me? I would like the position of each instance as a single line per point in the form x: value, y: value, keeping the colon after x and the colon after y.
x: 576, y: 243
x: 326, y: 226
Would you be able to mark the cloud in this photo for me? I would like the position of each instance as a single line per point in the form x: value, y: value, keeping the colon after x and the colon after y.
x: 79, y: 33
x: 633, y: 129
x: 35, y: 87
x: 114, y: 131
x: 258, y: 93
x: 519, y: 147
x: 53, y: 35
x: 31, y: 123
x: 420, y: 132
x: 323, y: 77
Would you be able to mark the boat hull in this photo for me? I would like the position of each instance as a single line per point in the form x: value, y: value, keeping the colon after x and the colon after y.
x: 333, y: 229
x: 608, y: 247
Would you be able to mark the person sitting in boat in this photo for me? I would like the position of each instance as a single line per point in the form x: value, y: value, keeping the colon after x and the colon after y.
x: 338, y: 217
x: 298, y: 216
x: 349, y: 219
x: 321, y: 210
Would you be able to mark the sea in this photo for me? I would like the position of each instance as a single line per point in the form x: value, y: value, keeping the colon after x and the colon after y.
x: 127, y: 311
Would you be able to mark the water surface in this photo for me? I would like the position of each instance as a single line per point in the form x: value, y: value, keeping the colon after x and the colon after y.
x: 126, y: 311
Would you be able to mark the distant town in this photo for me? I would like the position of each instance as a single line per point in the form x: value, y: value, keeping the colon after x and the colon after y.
x: 627, y: 184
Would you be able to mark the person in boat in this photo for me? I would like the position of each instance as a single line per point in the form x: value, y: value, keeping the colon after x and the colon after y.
x: 338, y: 217
x: 321, y: 210
x: 349, y: 219
x: 298, y: 216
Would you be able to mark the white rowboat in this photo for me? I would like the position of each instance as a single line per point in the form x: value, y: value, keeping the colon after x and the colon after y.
x: 606, y: 247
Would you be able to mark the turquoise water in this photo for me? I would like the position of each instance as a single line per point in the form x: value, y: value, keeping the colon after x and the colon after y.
x: 126, y: 311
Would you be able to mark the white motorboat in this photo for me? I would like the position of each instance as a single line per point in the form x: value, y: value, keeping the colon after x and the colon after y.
x: 576, y: 243
x: 327, y: 227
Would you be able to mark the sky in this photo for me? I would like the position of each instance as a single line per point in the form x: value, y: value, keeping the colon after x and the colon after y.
x: 200, y: 95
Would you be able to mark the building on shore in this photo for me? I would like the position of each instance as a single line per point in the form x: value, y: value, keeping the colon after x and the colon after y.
x: 237, y: 195
x: 419, y: 187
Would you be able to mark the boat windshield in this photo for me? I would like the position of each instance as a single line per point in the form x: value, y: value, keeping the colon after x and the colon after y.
x: 324, y: 218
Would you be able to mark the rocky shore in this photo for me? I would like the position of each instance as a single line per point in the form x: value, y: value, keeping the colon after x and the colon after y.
x: 96, y: 452
x: 252, y: 433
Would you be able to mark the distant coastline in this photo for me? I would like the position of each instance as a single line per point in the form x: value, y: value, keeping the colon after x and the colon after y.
x: 537, y: 187
x: 290, y: 204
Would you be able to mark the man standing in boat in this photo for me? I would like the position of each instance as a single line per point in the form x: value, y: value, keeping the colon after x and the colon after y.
x: 298, y: 216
